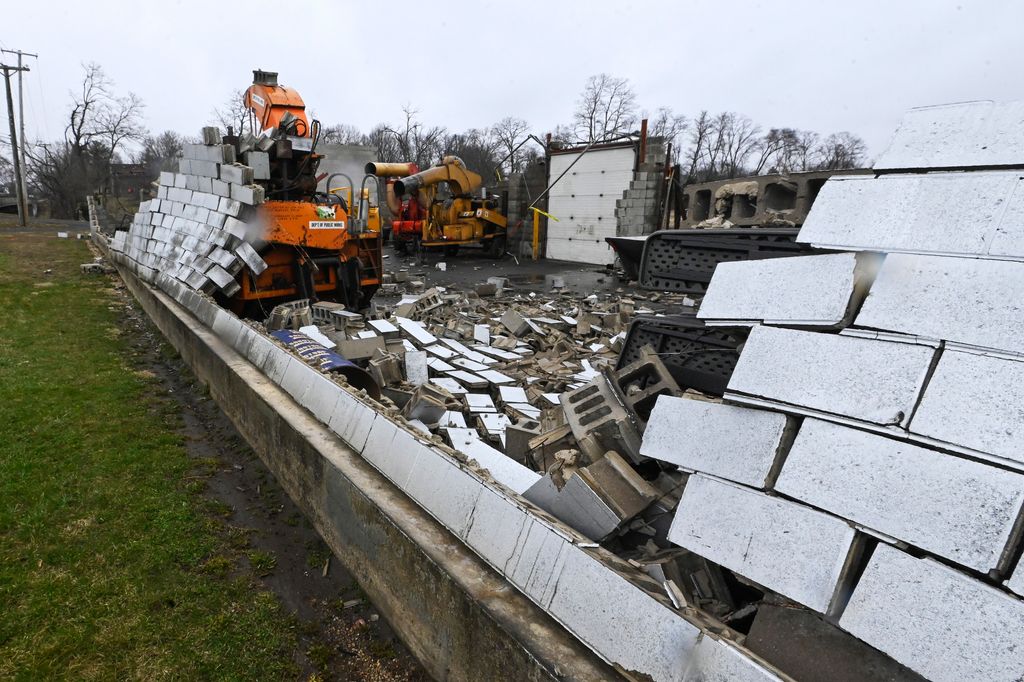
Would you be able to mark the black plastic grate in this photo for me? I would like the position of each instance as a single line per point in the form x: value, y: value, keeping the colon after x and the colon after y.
x: 684, y: 260
x: 698, y: 357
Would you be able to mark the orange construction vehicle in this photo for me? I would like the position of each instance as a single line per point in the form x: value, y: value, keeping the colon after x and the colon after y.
x: 444, y: 206
x: 318, y: 245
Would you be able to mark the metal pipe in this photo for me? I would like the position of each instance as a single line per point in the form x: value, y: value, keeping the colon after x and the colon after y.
x: 391, y: 170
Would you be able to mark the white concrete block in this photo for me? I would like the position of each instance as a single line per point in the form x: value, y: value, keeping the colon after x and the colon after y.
x: 496, y: 528
x: 321, y: 397
x: 220, y: 188
x: 450, y: 385
x: 447, y: 492
x: 730, y: 442
x: 466, y: 352
x: 505, y: 470
x: 166, y: 179
x: 628, y: 626
x: 961, y: 135
x: 975, y: 402
x: 785, y: 546
x: 236, y: 174
x: 352, y: 420
x: 230, y: 207
x: 537, y: 561
x: 416, y: 371
x: 260, y: 164
x: 716, y: 660
x: 800, y: 291
x: 875, y: 381
x: 250, y: 195
x: 576, y: 505
x: 958, y: 509
x: 394, y: 455
x: 964, y: 300
x: 978, y: 213
x: 415, y: 331
x: 252, y: 259
x: 936, y: 621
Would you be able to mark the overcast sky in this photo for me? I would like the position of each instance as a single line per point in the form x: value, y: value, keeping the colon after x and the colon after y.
x: 825, y: 66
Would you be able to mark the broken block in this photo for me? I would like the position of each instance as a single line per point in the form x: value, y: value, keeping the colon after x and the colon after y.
x: 799, y: 291
x: 961, y: 510
x: 787, y: 547
x: 428, y: 404
x: 735, y: 443
x: 866, y: 379
x: 515, y: 323
x: 935, y: 620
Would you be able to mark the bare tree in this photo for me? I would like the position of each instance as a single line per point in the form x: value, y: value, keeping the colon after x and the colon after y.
x: 383, y: 141
x: 160, y: 152
x: 740, y: 136
x: 416, y: 142
x: 606, y: 109
x: 841, y: 150
x: 100, y: 126
x: 233, y: 114
x: 700, y: 132
x: 509, y: 132
x: 478, y: 149
x: 342, y: 133
x: 665, y: 124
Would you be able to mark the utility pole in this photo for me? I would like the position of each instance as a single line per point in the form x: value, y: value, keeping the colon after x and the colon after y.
x: 19, y: 179
x: 21, y: 116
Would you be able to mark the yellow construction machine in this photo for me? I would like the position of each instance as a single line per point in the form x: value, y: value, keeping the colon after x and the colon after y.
x: 444, y: 206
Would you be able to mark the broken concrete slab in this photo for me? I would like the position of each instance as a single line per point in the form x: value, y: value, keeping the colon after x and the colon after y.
x: 416, y: 370
x: 785, y: 546
x: 914, y: 214
x: 961, y: 135
x: 506, y: 471
x: 716, y: 660
x: 804, y: 291
x: 937, y: 621
x: 961, y: 510
x: 973, y: 402
x: 576, y: 505
x: 735, y: 443
x: 516, y: 324
x: 984, y: 307
x: 415, y: 331
x: 864, y: 379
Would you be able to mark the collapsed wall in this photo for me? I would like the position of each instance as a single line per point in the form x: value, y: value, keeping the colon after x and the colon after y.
x: 867, y: 461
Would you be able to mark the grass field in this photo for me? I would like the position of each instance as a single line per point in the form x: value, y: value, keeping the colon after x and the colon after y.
x: 108, y: 568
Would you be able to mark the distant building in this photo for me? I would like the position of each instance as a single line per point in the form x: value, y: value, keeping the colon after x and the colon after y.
x: 129, y: 181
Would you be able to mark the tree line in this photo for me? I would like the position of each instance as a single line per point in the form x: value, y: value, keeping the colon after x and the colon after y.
x: 103, y: 128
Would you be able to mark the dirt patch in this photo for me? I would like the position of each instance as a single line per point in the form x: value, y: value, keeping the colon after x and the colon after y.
x: 341, y: 636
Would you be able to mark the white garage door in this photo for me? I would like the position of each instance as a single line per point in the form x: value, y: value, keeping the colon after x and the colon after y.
x: 584, y: 203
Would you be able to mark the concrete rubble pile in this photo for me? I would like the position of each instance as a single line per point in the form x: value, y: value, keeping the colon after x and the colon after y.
x: 866, y: 465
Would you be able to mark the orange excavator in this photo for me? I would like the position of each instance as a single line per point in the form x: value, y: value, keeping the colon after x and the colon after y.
x: 317, y: 245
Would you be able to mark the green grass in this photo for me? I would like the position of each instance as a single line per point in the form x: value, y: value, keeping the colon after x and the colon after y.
x: 110, y: 567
